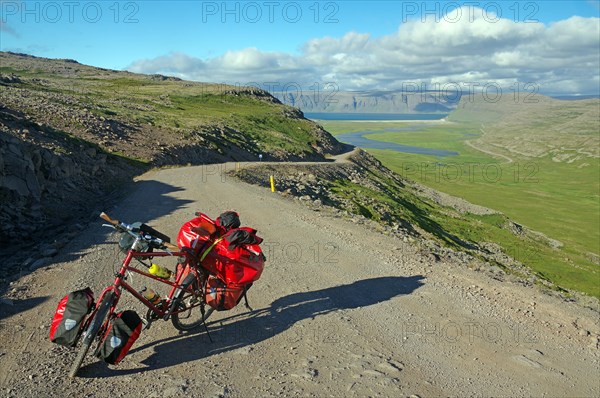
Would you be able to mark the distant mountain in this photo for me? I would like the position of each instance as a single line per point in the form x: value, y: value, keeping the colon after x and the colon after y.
x: 371, y: 101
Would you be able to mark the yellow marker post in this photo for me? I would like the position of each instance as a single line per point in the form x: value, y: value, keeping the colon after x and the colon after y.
x: 272, y: 183
x: 237, y: 166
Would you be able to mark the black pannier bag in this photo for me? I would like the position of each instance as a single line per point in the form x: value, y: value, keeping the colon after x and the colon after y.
x: 69, y: 317
x: 123, y: 330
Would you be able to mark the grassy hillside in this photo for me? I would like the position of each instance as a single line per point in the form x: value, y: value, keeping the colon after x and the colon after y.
x: 120, y: 110
x: 537, y: 163
x: 549, y: 153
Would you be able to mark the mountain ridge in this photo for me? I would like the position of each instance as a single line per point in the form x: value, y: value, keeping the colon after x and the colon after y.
x: 401, y: 102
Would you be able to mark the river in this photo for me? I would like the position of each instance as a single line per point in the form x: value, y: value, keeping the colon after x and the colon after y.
x: 359, y: 138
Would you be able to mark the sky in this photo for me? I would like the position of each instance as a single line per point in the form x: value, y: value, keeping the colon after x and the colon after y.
x: 551, y: 47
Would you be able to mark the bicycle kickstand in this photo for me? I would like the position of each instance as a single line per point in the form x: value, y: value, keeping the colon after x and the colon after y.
x: 147, y: 321
x: 146, y: 324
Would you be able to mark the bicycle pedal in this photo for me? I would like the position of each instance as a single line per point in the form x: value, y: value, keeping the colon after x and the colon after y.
x: 147, y: 323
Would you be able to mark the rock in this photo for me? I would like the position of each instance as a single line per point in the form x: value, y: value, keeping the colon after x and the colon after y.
x: 14, y: 183
x: 39, y: 263
x: 28, y: 262
x: 173, y: 391
x: 12, y: 79
x: 59, y: 244
x: 221, y: 392
x: 309, y: 373
x: 371, y: 372
x: 91, y: 152
x: 391, y: 366
x: 49, y: 252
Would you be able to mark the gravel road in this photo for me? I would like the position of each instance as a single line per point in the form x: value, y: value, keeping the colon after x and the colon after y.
x: 339, y: 311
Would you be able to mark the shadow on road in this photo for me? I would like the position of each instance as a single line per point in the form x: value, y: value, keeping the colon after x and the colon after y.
x: 245, y: 329
x: 10, y: 307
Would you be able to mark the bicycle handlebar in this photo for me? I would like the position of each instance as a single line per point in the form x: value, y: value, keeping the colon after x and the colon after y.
x: 171, y: 246
x: 128, y: 228
x: 109, y: 220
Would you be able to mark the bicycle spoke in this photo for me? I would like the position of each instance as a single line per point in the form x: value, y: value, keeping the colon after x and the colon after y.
x: 190, y: 317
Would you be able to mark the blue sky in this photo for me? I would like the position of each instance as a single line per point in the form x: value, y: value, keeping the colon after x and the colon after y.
x: 359, y: 45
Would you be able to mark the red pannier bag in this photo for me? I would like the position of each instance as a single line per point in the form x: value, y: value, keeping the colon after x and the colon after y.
x: 221, y: 297
x: 189, y: 235
x: 70, y: 316
x: 235, y: 265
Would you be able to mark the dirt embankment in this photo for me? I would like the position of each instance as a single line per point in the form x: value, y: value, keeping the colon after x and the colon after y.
x: 48, y: 182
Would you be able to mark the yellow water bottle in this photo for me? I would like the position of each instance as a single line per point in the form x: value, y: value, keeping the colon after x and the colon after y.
x: 159, y: 271
x: 150, y: 295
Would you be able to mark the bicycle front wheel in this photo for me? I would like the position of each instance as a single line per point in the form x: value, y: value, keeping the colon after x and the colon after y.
x: 190, y: 316
x: 92, y: 331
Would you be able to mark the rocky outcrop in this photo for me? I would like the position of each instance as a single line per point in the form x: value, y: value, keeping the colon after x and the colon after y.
x: 49, y: 180
x: 41, y: 186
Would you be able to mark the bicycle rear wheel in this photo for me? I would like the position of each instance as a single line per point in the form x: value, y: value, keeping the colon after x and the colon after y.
x: 190, y: 318
x: 92, y: 331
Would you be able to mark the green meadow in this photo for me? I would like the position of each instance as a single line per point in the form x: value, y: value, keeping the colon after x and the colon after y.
x: 559, y: 199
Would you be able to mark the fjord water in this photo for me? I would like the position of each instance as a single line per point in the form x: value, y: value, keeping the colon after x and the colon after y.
x: 358, y: 138
x: 373, y: 116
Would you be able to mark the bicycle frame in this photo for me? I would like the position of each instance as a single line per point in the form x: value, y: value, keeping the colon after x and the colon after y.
x: 186, y: 293
x: 163, y: 310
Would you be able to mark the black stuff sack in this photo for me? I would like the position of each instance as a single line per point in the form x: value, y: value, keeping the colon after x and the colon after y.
x: 70, y: 316
x: 228, y: 220
x: 123, y: 330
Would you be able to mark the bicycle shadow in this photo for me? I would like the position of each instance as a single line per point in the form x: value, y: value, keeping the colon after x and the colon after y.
x: 12, y: 307
x: 242, y: 330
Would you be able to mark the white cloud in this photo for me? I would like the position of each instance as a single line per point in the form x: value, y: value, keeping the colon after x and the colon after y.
x: 562, y: 57
x: 177, y: 64
x: 249, y: 59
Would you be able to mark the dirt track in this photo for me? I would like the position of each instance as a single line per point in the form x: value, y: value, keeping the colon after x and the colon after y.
x: 339, y: 311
